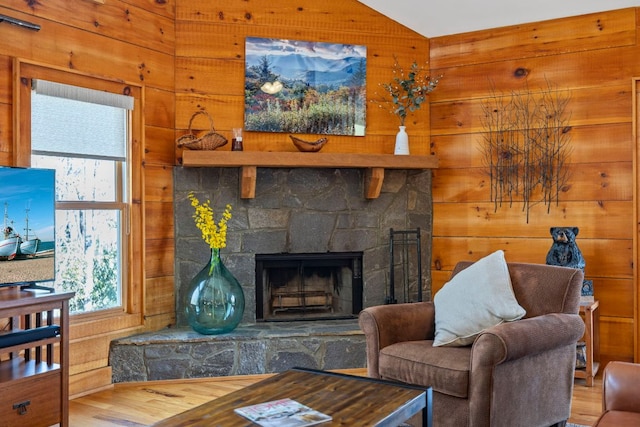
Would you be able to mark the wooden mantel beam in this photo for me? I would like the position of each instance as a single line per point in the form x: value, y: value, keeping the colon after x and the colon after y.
x: 249, y: 161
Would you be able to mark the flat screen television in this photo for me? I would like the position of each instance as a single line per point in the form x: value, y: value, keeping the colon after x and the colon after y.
x: 27, y: 236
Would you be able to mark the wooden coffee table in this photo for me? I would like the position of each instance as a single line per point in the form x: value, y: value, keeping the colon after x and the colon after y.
x: 350, y: 400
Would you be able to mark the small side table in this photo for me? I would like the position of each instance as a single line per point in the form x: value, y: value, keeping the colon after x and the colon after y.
x: 589, y: 310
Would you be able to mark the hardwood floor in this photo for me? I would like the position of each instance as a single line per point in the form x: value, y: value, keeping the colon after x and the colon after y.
x: 144, y: 403
x: 586, y: 405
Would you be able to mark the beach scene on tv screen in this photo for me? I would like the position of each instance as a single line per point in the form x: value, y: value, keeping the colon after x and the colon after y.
x: 27, y: 243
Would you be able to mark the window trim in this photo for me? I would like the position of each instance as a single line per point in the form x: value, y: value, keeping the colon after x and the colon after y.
x: 133, y: 282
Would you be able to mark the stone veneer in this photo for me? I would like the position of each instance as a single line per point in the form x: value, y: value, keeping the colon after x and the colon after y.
x: 249, y: 349
x: 301, y: 210
x: 295, y: 210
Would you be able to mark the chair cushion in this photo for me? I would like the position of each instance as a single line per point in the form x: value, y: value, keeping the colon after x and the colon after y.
x: 477, y: 298
x: 415, y: 362
x: 618, y: 419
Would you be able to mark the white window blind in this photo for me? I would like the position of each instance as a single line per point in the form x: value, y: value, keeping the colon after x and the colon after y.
x: 76, y: 131
x: 60, y: 90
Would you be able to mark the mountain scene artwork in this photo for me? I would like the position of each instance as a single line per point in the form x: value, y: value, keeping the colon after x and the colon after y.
x: 304, y: 87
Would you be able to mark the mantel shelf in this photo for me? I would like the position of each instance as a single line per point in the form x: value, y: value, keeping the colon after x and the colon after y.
x: 249, y: 161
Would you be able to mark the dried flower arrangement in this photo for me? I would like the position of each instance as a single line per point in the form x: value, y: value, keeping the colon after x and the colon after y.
x: 407, y: 91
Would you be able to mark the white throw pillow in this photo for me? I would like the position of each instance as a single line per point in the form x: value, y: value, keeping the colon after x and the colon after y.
x: 477, y: 298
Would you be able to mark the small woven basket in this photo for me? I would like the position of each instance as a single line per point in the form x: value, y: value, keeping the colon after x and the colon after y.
x: 209, y: 141
x: 308, y: 146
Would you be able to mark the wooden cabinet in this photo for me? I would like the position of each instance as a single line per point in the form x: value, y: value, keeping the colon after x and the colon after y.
x: 34, y: 357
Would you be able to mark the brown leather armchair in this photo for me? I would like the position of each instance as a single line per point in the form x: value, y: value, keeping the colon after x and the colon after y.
x: 620, y: 395
x: 515, y: 374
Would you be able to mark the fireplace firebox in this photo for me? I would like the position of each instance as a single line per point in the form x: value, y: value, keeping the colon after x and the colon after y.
x: 310, y: 286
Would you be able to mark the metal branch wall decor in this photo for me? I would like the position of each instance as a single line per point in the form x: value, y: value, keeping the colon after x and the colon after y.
x: 525, y: 146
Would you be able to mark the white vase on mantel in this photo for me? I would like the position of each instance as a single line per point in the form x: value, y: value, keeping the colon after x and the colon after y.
x: 402, y: 142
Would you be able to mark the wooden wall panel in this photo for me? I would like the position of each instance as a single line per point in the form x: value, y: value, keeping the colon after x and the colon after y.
x: 159, y: 258
x: 6, y: 130
x: 139, y: 25
x: 594, y: 57
x: 59, y: 45
x: 88, y: 354
x: 616, y: 295
x: 159, y: 220
x: 210, y: 48
x: 230, y: 44
x: 596, y: 219
x: 121, y: 40
x: 157, y: 322
x: 159, y: 147
x: 576, y: 69
x: 590, y: 181
x: 6, y: 95
x: 605, y: 143
x: 157, y: 300
x: 197, y: 75
x: 159, y: 109
x: 556, y: 37
x: 306, y: 16
x: 89, y: 381
x: 6, y: 81
x: 616, y: 338
x: 161, y: 7
x: 159, y: 185
x: 613, y: 106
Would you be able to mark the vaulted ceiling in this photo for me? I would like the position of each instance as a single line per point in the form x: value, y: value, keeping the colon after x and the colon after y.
x: 445, y: 17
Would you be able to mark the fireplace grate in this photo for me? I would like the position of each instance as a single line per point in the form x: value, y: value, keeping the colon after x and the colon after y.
x: 308, y: 286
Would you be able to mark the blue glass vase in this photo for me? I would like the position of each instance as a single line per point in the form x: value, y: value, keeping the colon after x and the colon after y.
x: 215, y: 300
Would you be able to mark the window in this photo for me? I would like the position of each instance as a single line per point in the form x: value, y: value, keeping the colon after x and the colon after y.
x: 84, y: 136
x: 100, y: 190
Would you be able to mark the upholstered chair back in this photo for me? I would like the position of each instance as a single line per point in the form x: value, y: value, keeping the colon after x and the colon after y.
x: 542, y: 289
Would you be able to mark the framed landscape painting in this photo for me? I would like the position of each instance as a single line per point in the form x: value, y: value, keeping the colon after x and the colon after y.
x: 305, y: 87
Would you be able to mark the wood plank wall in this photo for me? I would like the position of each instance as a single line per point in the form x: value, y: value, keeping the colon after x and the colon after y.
x: 131, y: 41
x: 188, y: 55
x: 595, y: 57
x: 210, y: 49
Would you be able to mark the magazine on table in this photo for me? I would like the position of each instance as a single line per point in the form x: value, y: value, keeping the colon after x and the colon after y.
x: 282, y: 413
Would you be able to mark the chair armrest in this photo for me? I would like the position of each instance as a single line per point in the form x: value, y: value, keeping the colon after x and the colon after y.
x: 384, y: 325
x: 398, y: 322
x: 620, y: 387
x: 513, y: 340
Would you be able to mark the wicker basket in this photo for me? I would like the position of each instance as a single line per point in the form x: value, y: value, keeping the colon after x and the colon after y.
x: 209, y: 141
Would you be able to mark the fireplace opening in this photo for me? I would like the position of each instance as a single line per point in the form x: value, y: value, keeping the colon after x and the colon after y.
x: 308, y: 286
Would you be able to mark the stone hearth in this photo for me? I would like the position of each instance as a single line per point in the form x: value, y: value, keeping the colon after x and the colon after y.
x: 249, y: 349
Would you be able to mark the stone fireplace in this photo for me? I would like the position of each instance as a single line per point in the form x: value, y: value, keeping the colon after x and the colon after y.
x: 302, y: 211
x: 308, y: 226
